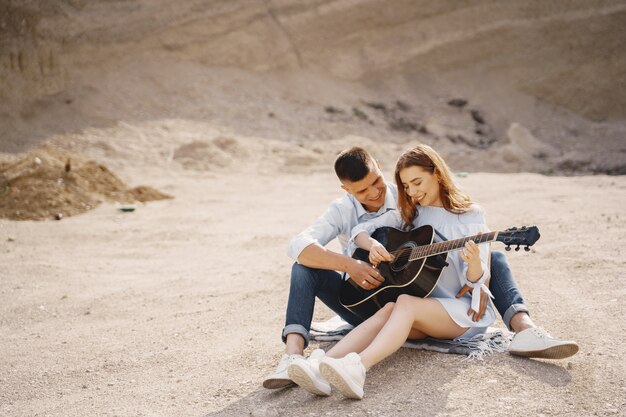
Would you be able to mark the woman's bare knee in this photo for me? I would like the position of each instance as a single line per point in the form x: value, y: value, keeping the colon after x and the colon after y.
x: 389, y: 306
x: 385, y: 312
x: 406, y: 300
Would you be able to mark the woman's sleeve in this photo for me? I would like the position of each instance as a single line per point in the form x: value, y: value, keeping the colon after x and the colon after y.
x: 391, y: 218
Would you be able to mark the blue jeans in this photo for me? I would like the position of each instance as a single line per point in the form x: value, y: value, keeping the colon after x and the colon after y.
x: 308, y: 283
x: 506, y: 296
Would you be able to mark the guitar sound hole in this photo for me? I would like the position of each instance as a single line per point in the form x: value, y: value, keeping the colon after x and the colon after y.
x: 401, y: 259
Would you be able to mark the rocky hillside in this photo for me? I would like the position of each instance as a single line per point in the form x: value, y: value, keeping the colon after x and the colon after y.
x: 556, y: 67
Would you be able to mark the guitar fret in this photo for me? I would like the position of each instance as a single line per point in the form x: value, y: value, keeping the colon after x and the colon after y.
x: 439, y: 248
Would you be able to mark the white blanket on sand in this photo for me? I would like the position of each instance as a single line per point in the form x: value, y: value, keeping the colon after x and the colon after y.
x: 494, y: 340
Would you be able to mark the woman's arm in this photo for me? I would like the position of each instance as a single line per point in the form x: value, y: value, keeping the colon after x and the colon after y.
x: 391, y: 219
x: 476, y: 273
x: 361, y: 236
x: 476, y: 260
x: 378, y: 253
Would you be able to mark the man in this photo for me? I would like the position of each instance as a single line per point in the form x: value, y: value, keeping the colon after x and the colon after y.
x: 315, y: 272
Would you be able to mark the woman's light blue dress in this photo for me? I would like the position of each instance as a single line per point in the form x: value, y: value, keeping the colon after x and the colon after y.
x: 452, y: 226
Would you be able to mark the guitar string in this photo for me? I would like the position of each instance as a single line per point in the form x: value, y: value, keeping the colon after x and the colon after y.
x: 422, y: 253
x: 460, y: 241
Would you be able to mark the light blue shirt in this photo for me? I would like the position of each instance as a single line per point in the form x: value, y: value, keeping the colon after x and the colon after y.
x: 338, y: 221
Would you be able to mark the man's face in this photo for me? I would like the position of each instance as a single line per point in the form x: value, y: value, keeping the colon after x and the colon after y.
x: 370, y: 191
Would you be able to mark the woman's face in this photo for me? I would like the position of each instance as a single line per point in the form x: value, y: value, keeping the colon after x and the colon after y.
x: 421, y: 186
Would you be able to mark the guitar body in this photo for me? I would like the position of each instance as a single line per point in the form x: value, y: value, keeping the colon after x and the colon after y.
x: 417, y: 278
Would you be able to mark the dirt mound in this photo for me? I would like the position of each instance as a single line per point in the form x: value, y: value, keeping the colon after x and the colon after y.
x: 205, y: 155
x: 49, y: 183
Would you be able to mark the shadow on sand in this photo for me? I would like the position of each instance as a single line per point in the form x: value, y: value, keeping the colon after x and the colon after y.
x: 405, y: 384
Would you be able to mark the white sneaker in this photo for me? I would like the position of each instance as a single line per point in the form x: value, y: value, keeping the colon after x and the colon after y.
x: 280, y: 378
x: 537, y: 343
x: 306, y: 373
x: 346, y: 374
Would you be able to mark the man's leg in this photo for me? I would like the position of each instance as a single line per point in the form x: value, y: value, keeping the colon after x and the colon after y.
x: 507, y: 297
x: 306, y: 284
x: 529, y: 340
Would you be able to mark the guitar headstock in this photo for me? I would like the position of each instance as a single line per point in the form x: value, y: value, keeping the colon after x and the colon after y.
x: 523, y: 236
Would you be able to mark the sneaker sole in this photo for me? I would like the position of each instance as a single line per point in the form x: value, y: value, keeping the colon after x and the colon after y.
x: 554, y: 352
x: 303, y: 379
x: 338, y: 381
x: 277, y: 383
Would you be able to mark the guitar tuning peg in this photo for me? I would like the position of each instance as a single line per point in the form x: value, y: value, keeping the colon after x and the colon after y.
x: 517, y: 248
x: 507, y: 248
x: 527, y: 249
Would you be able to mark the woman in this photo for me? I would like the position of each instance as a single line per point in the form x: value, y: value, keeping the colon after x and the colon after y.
x: 430, y: 197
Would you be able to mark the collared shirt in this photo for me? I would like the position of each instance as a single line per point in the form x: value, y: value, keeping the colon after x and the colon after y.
x: 337, y: 222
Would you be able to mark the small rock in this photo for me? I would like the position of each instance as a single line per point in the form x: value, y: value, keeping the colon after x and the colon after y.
x: 359, y: 113
x: 478, y: 117
x: 10, y: 239
x: 570, y: 365
x: 457, y: 102
x: 58, y: 216
x: 402, y: 105
x: 333, y: 110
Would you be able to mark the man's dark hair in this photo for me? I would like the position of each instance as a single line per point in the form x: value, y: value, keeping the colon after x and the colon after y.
x: 353, y: 164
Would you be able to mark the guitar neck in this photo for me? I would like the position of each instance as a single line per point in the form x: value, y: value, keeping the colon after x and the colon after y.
x: 450, y: 245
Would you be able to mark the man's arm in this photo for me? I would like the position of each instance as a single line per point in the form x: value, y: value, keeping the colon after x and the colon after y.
x: 308, y: 248
x: 362, y: 273
x: 317, y: 256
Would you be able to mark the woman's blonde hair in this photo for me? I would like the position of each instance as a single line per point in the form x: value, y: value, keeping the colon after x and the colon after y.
x: 454, y: 200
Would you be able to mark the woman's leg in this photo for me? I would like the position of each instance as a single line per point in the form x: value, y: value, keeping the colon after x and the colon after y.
x: 362, y: 335
x: 426, y: 316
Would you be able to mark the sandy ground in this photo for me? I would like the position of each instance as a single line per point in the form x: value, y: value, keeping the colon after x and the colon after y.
x: 176, y: 308
x: 237, y: 109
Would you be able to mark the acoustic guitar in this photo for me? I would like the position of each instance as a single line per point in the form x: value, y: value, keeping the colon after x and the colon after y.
x: 419, y: 257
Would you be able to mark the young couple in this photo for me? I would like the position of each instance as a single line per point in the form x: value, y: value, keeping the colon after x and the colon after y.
x: 458, y: 308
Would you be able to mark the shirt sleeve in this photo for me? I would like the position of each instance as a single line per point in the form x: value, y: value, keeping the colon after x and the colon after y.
x: 322, y: 231
x: 391, y: 218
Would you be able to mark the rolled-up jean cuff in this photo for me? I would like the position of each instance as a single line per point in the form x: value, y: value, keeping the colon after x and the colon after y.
x: 511, y: 311
x: 296, y: 328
